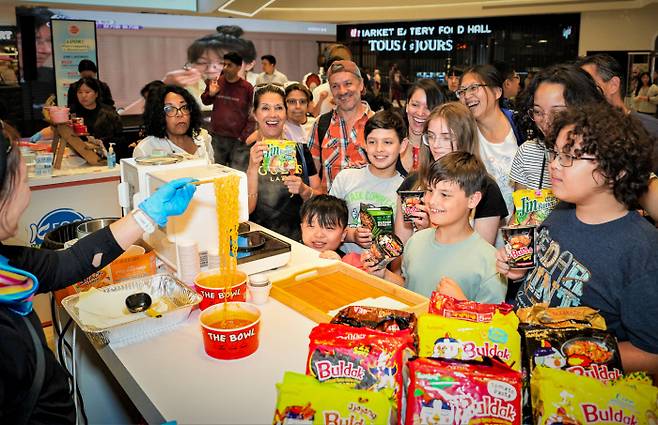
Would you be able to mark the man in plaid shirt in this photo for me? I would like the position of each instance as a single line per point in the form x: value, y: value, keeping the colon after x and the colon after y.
x: 343, y: 145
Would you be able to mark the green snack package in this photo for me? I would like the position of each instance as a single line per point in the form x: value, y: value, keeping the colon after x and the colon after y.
x: 378, y: 219
x: 304, y: 400
x: 279, y: 158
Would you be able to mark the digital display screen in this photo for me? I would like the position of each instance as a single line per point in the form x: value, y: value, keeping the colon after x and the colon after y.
x: 188, y: 5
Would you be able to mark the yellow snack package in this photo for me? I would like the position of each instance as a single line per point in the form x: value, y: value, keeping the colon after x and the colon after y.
x: 451, y: 338
x: 279, y: 158
x: 304, y: 400
x: 532, y: 206
x: 560, y: 397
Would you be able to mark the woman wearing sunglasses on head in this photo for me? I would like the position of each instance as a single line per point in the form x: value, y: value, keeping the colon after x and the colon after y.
x: 34, y: 388
x: 172, y: 124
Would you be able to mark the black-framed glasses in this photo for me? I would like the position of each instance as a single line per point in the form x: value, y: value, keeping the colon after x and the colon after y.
x: 565, y: 159
x: 300, y: 102
x: 172, y: 111
x: 204, y: 65
x: 464, y: 91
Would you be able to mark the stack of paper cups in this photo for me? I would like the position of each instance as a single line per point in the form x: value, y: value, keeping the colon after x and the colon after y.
x: 188, y: 260
x: 213, y: 258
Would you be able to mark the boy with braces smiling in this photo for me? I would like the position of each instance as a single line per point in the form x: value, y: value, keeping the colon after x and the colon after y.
x: 599, y: 252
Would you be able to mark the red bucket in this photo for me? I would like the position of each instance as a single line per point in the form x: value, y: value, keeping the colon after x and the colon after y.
x: 230, y: 334
x: 211, y: 285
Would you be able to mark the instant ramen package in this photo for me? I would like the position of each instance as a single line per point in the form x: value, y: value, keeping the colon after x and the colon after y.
x: 460, y: 393
x: 560, y: 397
x: 279, y: 158
x: 469, y: 331
x: 303, y: 400
x: 378, y: 219
x: 359, y: 358
x: 532, y: 206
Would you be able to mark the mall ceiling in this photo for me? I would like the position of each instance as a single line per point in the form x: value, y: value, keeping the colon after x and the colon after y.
x: 353, y: 11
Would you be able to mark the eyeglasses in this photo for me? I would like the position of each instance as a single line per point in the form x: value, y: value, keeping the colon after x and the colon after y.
x: 536, y: 114
x: 565, y: 159
x: 300, y: 102
x: 204, y: 65
x: 469, y: 90
x: 172, y: 111
x: 430, y: 138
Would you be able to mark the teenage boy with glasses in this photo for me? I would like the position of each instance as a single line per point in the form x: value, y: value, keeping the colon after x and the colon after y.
x: 598, y: 251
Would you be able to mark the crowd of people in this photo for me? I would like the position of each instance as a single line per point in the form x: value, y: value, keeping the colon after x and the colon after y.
x: 468, y: 146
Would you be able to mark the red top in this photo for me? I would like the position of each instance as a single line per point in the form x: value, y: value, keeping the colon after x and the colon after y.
x: 231, y: 108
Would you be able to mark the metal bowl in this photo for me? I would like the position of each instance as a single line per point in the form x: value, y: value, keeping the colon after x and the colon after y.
x: 89, y: 227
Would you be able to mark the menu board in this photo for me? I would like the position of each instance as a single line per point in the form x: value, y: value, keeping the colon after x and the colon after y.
x: 73, y: 41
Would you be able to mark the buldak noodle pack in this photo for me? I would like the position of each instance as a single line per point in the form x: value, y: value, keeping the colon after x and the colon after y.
x: 467, y: 330
x: 460, y: 393
x: 303, y: 400
x: 359, y: 358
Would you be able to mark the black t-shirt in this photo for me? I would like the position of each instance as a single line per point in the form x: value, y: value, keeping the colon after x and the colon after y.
x: 103, y: 123
x: 54, y: 270
x: 492, y: 203
x: 276, y: 209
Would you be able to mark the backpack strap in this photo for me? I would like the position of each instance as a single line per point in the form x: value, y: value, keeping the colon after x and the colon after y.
x: 26, y: 409
x: 323, y: 126
x: 510, y: 117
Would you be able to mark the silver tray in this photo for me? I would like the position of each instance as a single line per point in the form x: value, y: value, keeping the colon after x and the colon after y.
x: 143, y: 327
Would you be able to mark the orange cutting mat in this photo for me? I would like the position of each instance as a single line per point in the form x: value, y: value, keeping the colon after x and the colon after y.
x: 316, y: 291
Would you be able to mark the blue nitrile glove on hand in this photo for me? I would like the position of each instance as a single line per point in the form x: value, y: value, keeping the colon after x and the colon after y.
x: 36, y: 137
x: 170, y: 199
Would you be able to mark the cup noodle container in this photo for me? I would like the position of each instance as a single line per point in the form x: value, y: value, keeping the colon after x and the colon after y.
x: 240, y: 340
x: 211, y: 285
x: 58, y: 114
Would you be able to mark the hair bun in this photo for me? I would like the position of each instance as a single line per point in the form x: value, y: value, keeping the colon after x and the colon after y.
x: 232, y: 30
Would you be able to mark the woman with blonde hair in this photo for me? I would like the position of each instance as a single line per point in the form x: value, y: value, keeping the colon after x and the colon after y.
x: 451, y: 127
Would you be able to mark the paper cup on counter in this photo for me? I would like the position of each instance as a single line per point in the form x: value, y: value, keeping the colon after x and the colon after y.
x: 259, y: 288
x: 231, y: 331
x: 520, y: 246
x: 211, y: 285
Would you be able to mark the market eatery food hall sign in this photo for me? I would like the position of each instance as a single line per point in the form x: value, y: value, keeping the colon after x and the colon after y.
x: 416, y: 39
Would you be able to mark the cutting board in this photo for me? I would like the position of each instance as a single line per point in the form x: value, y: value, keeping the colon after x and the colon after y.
x: 315, y: 291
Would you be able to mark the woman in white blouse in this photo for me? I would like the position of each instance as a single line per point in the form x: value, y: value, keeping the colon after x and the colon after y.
x: 172, y: 122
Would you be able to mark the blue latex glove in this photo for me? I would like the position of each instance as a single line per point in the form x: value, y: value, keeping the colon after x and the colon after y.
x: 36, y: 137
x: 170, y: 199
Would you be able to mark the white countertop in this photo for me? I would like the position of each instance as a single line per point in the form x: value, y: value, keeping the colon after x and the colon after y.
x: 79, y: 174
x: 170, y: 377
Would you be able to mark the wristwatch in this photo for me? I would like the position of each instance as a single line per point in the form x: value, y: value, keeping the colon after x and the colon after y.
x: 143, y: 220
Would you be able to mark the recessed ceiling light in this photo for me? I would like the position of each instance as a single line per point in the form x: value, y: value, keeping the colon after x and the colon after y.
x: 542, y: 41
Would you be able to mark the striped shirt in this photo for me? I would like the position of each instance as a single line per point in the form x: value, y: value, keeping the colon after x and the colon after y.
x: 527, y: 164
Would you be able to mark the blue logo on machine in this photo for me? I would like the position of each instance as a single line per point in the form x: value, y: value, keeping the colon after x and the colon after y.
x: 51, y: 221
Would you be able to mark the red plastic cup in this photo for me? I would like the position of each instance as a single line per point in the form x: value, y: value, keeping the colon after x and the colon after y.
x: 211, y: 285
x: 234, y: 337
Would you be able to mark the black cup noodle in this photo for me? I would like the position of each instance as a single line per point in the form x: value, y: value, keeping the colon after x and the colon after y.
x: 520, y: 246
x: 410, y: 200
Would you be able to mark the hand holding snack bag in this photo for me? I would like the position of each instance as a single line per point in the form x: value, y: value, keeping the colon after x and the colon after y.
x: 363, y: 237
x: 531, y: 207
x: 280, y: 157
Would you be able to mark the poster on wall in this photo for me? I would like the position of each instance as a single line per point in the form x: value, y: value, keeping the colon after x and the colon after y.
x: 73, y: 41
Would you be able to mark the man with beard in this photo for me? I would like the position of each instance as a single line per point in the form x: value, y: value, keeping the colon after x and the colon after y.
x: 337, y: 139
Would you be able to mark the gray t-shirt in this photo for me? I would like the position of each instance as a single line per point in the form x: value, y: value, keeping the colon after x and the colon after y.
x: 471, y: 263
x: 359, y: 185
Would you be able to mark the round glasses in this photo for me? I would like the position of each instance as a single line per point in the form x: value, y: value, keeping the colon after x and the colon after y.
x: 430, y: 138
x: 540, y: 115
x: 202, y: 65
x: 172, y: 111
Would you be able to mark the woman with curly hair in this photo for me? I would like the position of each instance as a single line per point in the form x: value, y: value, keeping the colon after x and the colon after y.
x: 172, y: 124
x: 599, y: 252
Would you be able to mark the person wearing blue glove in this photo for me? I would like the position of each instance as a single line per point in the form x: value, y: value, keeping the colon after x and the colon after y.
x: 36, y: 137
x: 33, y: 385
x: 169, y: 200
